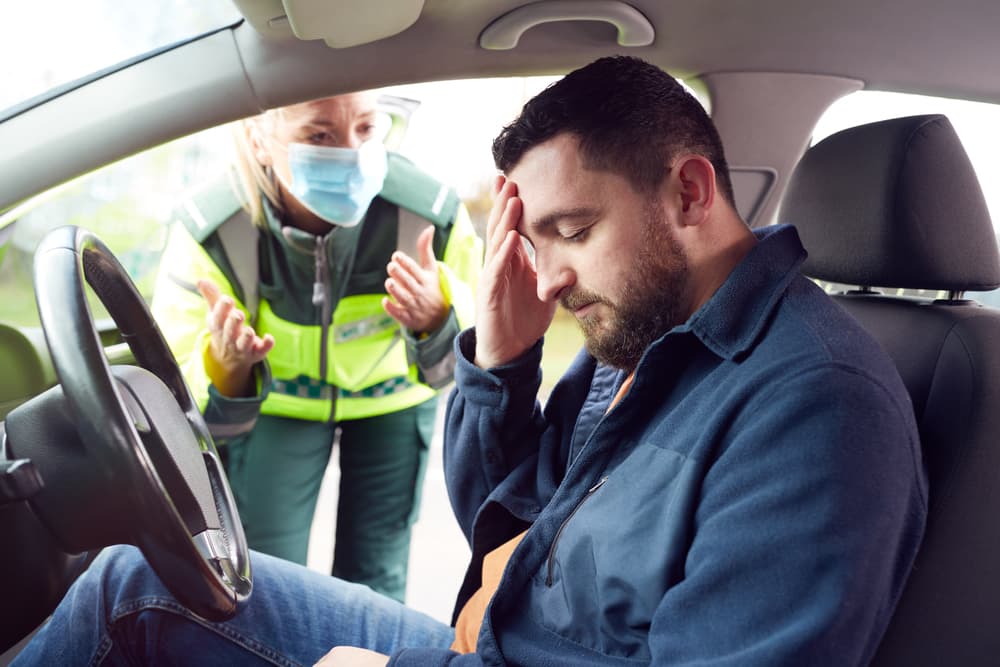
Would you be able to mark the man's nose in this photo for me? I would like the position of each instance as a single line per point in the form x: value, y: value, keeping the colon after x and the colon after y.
x: 553, y: 275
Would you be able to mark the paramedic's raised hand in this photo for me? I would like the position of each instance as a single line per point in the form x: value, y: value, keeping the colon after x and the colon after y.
x: 417, y: 302
x: 509, y: 316
x: 234, y: 347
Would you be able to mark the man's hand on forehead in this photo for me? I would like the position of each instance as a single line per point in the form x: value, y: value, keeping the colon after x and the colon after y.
x: 509, y: 316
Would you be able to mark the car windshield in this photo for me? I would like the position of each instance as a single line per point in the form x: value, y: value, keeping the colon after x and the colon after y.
x: 39, y: 56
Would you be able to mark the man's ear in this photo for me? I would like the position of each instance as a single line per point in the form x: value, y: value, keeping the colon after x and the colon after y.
x: 697, y: 186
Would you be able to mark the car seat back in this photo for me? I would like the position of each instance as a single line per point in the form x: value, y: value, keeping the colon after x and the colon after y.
x: 894, y: 212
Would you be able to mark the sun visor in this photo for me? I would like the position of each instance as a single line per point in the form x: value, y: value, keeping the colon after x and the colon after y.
x: 340, y: 24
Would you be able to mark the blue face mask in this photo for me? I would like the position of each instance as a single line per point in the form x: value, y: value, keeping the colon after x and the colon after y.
x: 337, y: 184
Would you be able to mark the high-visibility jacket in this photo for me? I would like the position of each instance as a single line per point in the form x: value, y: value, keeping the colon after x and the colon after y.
x: 337, y: 354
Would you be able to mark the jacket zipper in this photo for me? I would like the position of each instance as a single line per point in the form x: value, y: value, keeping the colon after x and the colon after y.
x: 321, y: 299
x: 550, y: 564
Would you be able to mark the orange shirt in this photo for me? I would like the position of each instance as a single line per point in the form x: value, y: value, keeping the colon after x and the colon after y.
x: 470, y: 619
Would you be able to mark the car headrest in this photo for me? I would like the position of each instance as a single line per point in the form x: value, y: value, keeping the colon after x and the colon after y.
x: 893, y: 204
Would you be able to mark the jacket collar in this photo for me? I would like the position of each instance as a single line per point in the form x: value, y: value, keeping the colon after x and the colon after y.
x: 731, y: 321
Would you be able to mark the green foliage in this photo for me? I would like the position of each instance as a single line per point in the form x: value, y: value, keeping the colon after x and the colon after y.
x: 135, y: 239
x: 563, y: 341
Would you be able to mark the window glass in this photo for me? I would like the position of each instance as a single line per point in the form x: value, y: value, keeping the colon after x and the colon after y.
x: 974, y: 122
x: 127, y: 205
x: 451, y: 135
x: 49, y: 43
x: 447, y: 128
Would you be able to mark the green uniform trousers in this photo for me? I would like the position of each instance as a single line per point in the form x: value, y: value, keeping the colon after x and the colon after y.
x: 275, y: 473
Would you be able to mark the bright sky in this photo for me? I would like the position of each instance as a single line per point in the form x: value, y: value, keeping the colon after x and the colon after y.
x: 451, y: 133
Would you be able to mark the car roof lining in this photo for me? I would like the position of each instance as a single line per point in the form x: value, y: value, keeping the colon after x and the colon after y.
x: 241, y: 71
x: 879, y: 43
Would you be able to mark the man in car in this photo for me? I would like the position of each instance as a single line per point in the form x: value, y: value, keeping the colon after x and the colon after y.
x: 728, y: 474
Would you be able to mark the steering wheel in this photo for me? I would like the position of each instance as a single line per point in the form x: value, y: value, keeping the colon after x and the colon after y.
x: 123, y: 452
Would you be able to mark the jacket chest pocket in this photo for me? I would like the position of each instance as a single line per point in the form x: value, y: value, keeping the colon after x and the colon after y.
x: 617, y: 553
x: 550, y: 561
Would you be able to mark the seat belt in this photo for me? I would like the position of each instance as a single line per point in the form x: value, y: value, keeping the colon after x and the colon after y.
x: 408, y: 230
x: 238, y: 236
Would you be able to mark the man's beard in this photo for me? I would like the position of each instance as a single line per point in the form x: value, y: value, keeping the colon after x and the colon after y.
x: 650, y: 305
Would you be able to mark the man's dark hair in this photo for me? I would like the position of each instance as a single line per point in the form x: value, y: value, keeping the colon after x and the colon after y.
x: 630, y: 117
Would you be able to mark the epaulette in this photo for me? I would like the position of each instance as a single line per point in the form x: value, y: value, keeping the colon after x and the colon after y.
x: 409, y: 187
x: 216, y: 219
x: 208, y: 208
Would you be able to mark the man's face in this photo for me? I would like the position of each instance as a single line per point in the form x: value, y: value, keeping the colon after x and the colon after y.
x: 603, y: 250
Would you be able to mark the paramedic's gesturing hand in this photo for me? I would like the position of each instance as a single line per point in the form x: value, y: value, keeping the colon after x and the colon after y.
x: 417, y: 302
x: 509, y: 316
x: 234, y: 347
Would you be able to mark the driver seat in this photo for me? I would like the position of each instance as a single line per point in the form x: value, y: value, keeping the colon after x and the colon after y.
x: 896, y: 205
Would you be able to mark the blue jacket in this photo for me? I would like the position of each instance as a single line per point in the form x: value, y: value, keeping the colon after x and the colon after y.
x: 757, y: 497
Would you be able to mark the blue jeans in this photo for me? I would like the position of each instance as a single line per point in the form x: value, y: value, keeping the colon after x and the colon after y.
x: 275, y: 472
x: 118, y: 613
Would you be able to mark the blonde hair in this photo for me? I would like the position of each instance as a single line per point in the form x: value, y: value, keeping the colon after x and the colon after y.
x: 255, y: 181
